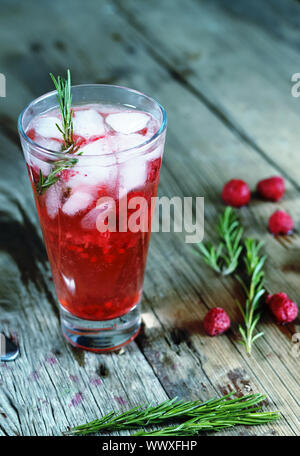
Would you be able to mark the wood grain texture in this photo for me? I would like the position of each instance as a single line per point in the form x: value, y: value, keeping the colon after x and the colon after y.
x: 52, y: 386
x: 238, y: 59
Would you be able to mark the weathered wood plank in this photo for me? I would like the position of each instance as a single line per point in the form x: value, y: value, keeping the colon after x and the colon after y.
x: 238, y: 59
x: 178, y: 287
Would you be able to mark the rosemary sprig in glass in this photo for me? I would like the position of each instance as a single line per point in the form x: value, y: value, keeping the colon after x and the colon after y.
x: 254, y: 291
x: 64, y: 97
x: 45, y: 182
x: 224, y: 258
x: 213, y: 414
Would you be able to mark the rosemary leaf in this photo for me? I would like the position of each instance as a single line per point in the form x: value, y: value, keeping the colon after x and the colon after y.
x: 254, y: 291
x: 213, y: 414
x: 64, y: 98
x: 225, y: 257
x: 213, y: 423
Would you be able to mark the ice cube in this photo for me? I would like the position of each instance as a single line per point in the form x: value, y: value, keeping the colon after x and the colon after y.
x: 133, y: 174
x: 53, y: 199
x: 127, y: 122
x: 89, y: 221
x: 91, y: 175
x: 152, y: 128
x: 155, y: 153
x: 93, y: 168
x: 110, y: 109
x: 50, y: 144
x: 98, y: 147
x: 121, y: 142
x: 41, y: 164
x: 78, y: 201
x: 88, y: 123
x: 47, y: 128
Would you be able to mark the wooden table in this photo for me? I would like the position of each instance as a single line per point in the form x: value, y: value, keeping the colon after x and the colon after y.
x: 223, y: 72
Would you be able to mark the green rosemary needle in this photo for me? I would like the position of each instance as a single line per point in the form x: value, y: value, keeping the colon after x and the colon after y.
x: 254, y: 291
x: 213, y: 423
x: 45, y: 182
x: 64, y: 97
x: 212, y: 414
x: 225, y: 257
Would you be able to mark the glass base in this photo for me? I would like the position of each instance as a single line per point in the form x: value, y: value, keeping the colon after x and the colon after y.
x: 99, y: 336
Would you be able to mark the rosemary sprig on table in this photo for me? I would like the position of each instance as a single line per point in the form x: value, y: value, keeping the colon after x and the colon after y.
x: 64, y: 97
x: 224, y: 258
x: 213, y: 423
x: 254, y: 291
x: 213, y: 414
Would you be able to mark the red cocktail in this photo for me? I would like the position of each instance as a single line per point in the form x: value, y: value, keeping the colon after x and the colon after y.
x: 98, y: 268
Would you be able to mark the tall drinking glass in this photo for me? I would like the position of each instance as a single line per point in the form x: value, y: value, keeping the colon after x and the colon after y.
x: 97, y: 255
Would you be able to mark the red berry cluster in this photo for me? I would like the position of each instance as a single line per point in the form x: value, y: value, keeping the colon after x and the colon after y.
x: 237, y: 193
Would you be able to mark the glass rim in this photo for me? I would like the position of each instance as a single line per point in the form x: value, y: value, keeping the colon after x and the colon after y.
x: 51, y: 153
